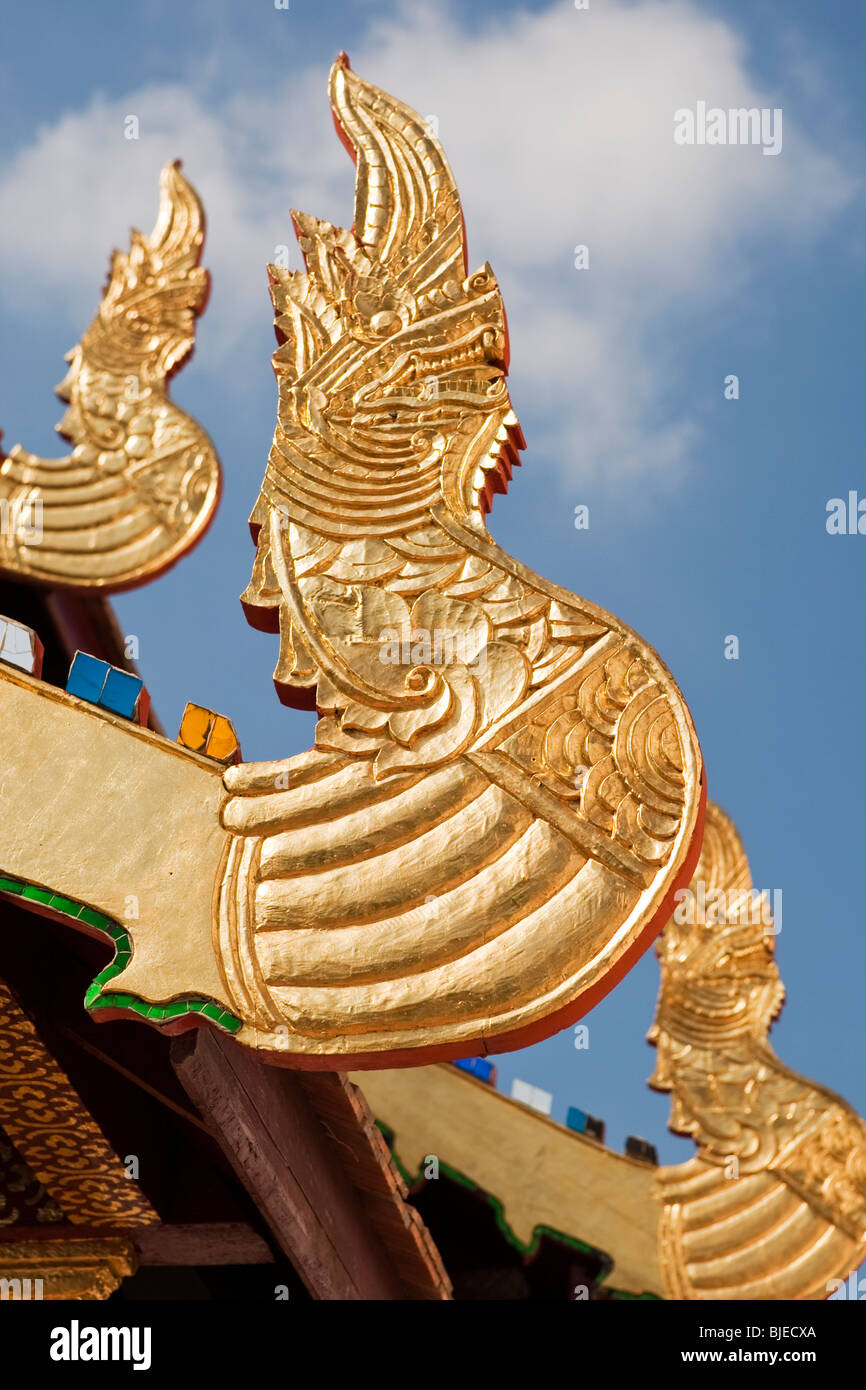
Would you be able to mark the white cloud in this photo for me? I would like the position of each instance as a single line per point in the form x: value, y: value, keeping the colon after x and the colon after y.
x: 559, y: 128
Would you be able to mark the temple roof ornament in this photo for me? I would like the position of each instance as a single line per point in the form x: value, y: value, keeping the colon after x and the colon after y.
x: 142, y: 481
x: 506, y: 788
x: 773, y: 1204
x: 505, y: 798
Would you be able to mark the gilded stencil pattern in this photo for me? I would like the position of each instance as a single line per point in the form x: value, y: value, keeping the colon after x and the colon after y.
x: 24, y: 1200
x: 53, y: 1131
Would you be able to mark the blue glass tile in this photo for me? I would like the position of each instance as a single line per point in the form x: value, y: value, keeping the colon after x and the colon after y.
x: 87, y: 677
x: 477, y: 1066
x: 576, y: 1119
x: 120, y: 692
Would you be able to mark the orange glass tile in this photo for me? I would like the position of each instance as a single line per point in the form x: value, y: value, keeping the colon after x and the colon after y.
x: 195, y: 727
x: 223, y: 742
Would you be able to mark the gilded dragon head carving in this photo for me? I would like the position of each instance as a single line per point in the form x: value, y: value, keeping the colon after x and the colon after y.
x: 391, y: 370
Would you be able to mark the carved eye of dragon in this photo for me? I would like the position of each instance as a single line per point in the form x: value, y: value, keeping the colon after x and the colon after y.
x: 506, y: 788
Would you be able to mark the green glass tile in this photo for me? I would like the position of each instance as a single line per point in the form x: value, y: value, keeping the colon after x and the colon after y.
x: 231, y: 1024
x: 61, y: 904
x: 177, y: 1009
x: 196, y: 1005
x: 38, y: 895
x: 156, y: 1011
x: 11, y: 885
x: 212, y: 1011
x: 95, y: 919
x: 121, y: 960
x: 138, y: 1006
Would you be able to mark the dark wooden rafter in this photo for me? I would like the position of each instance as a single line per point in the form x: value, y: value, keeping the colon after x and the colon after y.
x: 309, y: 1153
x: 166, y: 1244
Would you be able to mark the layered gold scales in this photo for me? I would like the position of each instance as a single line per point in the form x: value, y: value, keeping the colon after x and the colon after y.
x: 142, y: 481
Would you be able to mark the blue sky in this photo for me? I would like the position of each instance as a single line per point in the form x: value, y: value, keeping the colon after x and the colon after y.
x: 707, y: 516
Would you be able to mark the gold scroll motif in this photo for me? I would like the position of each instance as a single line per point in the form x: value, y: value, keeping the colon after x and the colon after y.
x: 773, y: 1206
x: 506, y: 786
x: 142, y: 481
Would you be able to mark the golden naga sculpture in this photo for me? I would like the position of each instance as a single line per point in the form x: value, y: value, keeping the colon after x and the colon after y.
x: 774, y: 1203
x: 506, y: 788
x: 772, y: 1206
x: 143, y: 480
